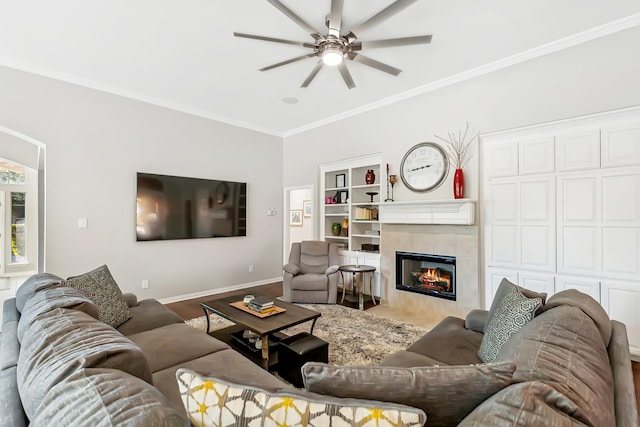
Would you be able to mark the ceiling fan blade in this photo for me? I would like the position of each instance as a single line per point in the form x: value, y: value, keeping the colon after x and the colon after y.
x: 374, y: 64
x: 346, y: 75
x: 402, y: 41
x: 312, y: 74
x: 385, y: 13
x: 335, y: 18
x: 295, y: 18
x: 288, y: 61
x: 273, y: 39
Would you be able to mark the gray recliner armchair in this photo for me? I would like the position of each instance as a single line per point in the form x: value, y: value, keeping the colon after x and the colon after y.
x: 311, y: 276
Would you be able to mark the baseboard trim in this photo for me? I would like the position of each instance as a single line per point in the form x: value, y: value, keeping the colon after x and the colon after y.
x: 179, y: 298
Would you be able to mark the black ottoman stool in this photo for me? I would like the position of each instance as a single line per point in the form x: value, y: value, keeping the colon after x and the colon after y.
x: 295, y: 351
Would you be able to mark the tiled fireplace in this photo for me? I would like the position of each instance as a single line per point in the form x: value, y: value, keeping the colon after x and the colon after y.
x: 455, y: 240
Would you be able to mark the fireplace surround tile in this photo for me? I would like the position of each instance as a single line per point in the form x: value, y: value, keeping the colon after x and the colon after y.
x: 451, y: 240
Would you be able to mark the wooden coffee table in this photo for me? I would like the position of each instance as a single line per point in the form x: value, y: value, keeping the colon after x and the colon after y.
x: 268, y: 328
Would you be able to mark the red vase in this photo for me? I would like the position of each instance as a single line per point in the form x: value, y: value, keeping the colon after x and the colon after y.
x: 370, y: 177
x: 458, y: 184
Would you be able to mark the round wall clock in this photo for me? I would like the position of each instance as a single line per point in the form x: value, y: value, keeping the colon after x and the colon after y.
x: 424, y: 167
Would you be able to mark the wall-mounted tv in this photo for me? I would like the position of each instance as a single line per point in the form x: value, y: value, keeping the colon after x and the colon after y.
x: 174, y: 207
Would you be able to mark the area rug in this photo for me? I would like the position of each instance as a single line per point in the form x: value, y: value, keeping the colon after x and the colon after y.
x: 355, y: 337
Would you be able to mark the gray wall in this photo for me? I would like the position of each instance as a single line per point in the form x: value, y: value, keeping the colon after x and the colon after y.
x: 95, y: 144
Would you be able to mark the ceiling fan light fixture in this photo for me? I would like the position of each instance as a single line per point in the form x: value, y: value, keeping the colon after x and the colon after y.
x: 332, y: 54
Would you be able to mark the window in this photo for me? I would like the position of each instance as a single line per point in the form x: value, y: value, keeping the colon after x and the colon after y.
x: 18, y: 218
x: 11, y: 173
x: 18, y: 227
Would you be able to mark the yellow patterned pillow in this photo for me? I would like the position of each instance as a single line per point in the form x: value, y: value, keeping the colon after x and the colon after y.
x: 217, y: 402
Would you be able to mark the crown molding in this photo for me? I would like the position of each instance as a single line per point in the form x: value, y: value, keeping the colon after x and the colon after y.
x: 90, y: 84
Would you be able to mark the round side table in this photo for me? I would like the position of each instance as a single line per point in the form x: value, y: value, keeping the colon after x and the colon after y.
x: 358, y: 272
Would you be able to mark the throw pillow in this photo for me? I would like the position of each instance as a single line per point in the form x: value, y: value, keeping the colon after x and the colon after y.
x: 445, y: 393
x: 513, y: 312
x: 218, y: 402
x: 502, y: 290
x: 103, y: 290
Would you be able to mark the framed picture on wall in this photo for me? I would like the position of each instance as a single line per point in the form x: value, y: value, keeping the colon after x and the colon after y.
x: 295, y: 217
x: 341, y: 180
x: 306, y: 208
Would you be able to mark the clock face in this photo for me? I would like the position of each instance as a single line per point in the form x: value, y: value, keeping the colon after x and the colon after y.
x: 424, y: 167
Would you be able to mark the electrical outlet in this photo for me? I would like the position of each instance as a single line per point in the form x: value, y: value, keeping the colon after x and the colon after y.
x: 145, y: 284
x: 250, y: 268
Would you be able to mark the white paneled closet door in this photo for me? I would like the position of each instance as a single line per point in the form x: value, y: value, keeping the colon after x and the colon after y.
x: 561, y: 210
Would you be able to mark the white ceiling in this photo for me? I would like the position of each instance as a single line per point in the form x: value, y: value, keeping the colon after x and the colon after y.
x: 182, y: 54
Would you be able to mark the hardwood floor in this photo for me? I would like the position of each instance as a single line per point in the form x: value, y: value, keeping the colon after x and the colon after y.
x: 190, y: 309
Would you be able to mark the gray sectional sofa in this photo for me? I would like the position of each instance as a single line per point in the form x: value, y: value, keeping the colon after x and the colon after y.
x: 60, y: 365
x: 568, y: 366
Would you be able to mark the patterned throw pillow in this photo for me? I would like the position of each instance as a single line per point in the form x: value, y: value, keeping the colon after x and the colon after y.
x: 216, y: 402
x: 513, y: 312
x: 103, y: 290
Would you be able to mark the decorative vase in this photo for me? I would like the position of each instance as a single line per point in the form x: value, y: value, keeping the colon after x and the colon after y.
x: 345, y: 226
x: 370, y: 177
x: 458, y: 184
x: 336, y: 228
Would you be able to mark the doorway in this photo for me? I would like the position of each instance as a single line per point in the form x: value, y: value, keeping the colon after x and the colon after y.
x: 299, y: 217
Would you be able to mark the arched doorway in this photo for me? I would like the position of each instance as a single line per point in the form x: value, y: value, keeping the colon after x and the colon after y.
x: 22, y: 209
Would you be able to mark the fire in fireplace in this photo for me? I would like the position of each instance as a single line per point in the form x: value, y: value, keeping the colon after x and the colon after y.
x: 433, y: 275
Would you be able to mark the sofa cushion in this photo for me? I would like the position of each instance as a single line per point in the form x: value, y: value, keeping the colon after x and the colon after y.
x: 310, y: 282
x: 503, y: 288
x: 465, y: 387
x: 462, y: 344
x: 527, y: 404
x: 103, y: 290
x: 106, y: 397
x: 48, y: 299
x: 588, y: 305
x: 10, y: 347
x: 173, y: 344
x: 10, y: 310
x: 219, y: 363
x: 564, y: 347
x: 62, y: 341
x: 11, y: 410
x: 409, y: 359
x: 148, y: 314
x: 216, y: 402
x: 34, y: 284
x: 513, y: 312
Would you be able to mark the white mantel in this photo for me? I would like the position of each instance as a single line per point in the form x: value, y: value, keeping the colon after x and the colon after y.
x: 452, y: 211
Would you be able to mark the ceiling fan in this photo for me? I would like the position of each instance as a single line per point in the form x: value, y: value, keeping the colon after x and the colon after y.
x: 335, y: 46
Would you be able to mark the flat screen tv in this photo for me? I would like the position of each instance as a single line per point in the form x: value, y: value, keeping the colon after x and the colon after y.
x: 174, y: 207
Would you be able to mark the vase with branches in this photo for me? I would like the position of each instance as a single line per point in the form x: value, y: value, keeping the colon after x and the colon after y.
x: 458, y: 148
